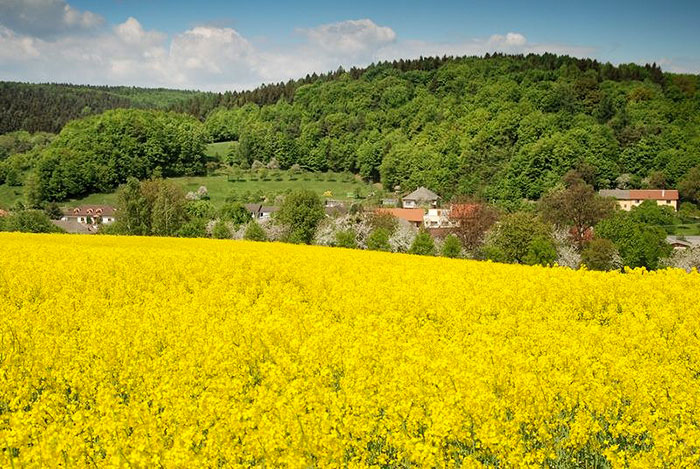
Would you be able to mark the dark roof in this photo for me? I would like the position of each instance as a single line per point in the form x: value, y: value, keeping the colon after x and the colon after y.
x: 422, y: 194
x: 641, y: 194
x: 72, y: 226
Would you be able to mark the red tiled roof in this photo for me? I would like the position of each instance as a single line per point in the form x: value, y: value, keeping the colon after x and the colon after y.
x: 654, y: 194
x: 409, y: 214
x: 91, y: 210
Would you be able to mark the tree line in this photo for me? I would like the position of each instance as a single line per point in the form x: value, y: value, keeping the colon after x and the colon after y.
x: 48, y: 107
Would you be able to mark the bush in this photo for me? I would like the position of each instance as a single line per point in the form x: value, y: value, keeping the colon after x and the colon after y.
x: 378, y: 240
x: 346, y: 239
x: 254, y: 232
x: 423, y: 245
x: 540, y: 251
x: 221, y: 230
x: 451, y: 247
x: 599, y: 254
x: 29, y: 221
x: 235, y: 213
x: 196, y: 228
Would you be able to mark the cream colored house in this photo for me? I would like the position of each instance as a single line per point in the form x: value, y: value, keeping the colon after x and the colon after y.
x: 634, y: 197
x: 438, y: 218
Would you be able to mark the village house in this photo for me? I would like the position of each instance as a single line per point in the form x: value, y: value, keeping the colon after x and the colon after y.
x: 683, y: 242
x: 91, y: 214
x: 421, y: 197
x: 438, y: 218
x: 412, y: 216
x: 260, y: 212
x: 627, y: 199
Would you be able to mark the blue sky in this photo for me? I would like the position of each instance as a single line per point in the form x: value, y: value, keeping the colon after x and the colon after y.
x: 224, y: 45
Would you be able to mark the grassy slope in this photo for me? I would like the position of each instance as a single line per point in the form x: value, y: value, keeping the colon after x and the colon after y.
x: 219, y: 188
x: 218, y: 150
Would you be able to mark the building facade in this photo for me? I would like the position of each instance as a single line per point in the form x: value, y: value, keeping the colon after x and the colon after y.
x: 627, y: 199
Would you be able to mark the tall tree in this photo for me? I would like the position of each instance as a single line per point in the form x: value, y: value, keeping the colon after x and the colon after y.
x: 300, y: 214
x: 578, y: 208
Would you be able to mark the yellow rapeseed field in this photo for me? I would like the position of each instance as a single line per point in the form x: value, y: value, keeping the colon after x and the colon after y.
x: 148, y: 352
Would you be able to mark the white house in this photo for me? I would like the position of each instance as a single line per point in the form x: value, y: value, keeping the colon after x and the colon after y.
x: 91, y: 214
x: 438, y: 218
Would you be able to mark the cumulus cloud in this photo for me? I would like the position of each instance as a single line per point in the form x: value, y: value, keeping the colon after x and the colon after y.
x: 207, y: 57
x: 46, y: 18
x: 352, y: 37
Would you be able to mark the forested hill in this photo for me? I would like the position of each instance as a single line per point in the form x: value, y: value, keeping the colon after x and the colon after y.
x: 502, y: 127
x: 505, y: 128
x: 48, y: 107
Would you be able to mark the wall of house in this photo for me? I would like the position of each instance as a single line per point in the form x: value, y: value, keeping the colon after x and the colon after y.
x: 628, y: 204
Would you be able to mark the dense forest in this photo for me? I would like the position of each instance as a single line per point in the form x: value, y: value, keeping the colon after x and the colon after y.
x: 48, y: 107
x: 98, y: 153
x: 503, y: 128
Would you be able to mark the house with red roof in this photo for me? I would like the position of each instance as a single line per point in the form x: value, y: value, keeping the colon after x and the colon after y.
x: 627, y: 199
x: 91, y: 214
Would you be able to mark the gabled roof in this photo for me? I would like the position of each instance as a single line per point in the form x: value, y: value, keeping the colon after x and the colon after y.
x: 91, y: 211
x: 619, y: 194
x: 641, y: 194
x: 268, y: 209
x: 409, y: 214
x: 422, y: 194
x: 654, y: 194
x: 255, y: 208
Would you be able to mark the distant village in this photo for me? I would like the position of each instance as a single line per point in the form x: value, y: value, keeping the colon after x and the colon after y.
x: 420, y: 209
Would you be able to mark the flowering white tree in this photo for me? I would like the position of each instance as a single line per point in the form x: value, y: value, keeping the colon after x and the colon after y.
x: 402, y: 239
x: 686, y: 259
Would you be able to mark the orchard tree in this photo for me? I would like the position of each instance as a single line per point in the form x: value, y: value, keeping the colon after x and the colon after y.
x: 578, y: 208
x: 472, y: 220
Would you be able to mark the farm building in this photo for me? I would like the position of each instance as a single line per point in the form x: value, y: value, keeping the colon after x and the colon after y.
x: 627, y: 199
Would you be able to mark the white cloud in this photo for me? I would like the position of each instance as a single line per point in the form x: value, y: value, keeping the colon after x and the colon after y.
x: 352, y: 37
x: 214, y: 58
x: 46, y: 18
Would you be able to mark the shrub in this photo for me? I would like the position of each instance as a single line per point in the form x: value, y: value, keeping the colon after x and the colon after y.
x: 221, y: 230
x: 599, y: 254
x: 346, y: 239
x: 254, y: 232
x: 451, y: 247
x: 423, y: 245
x: 378, y: 240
